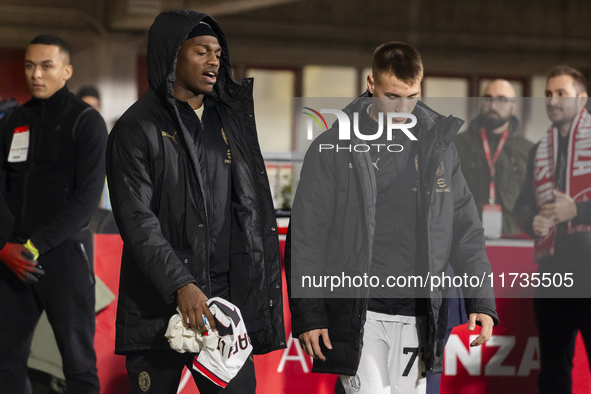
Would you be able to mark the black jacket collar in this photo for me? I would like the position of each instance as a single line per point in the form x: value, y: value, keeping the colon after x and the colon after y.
x: 57, y: 100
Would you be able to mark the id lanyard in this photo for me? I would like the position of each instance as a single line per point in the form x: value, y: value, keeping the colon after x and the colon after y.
x: 491, y: 161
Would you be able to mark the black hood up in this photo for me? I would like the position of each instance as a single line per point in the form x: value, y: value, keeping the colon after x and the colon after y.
x: 159, y: 203
x: 167, y: 34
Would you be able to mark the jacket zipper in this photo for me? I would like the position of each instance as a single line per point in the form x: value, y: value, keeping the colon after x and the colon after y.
x: 32, y: 145
x: 208, y: 202
x: 88, y: 264
x: 207, y: 205
x: 175, y: 113
x: 205, y: 201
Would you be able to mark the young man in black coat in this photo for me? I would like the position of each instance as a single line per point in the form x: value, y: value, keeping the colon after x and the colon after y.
x: 192, y: 201
x: 398, y: 209
x: 52, y: 152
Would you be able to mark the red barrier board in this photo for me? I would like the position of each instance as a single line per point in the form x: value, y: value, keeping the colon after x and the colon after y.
x: 283, y: 371
x: 508, y: 363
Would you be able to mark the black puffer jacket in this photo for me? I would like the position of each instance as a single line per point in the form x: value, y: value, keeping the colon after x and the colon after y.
x: 332, y: 227
x: 158, y: 200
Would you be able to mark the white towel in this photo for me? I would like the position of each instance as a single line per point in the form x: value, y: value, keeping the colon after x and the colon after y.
x: 221, y: 353
x: 185, y: 339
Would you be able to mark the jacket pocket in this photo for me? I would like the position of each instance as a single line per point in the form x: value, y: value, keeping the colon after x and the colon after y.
x: 184, y: 255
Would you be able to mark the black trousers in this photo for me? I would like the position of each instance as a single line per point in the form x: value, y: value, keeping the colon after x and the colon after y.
x: 558, y: 321
x: 66, y: 293
x: 159, y: 372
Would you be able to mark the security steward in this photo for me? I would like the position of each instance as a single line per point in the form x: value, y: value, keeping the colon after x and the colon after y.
x: 52, y: 153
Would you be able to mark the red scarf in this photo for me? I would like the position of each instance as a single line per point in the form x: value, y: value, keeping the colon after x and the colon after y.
x: 578, y: 175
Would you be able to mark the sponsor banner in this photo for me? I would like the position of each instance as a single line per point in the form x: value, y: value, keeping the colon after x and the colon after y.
x: 509, y: 360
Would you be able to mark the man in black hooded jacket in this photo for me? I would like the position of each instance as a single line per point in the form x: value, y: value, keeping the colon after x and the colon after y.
x: 192, y: 201
x: 401, y: 210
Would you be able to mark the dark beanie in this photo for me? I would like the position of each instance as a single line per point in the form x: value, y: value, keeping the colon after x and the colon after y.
x: 202, y: 29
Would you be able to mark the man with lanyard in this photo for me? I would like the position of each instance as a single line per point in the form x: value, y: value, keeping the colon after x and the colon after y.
x: 554, y: 208
x: 493, y: 153
x: 366, y: 214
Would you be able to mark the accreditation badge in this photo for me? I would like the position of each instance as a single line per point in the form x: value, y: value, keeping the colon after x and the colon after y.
x: 19, y: 148
x: 492, y: 220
